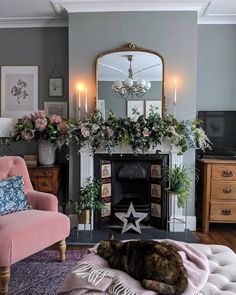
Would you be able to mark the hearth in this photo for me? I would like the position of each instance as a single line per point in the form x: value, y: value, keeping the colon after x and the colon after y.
x: 132, y: 178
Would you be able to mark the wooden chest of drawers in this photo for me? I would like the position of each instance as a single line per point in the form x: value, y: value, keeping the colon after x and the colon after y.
x: 216, y: 192
x: 46, y: 178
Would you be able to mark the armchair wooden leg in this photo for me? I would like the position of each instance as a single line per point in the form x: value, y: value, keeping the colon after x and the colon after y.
x: 4, y: 279
x: 62, y: 249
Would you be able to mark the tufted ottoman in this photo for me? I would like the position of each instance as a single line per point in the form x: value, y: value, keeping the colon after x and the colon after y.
x: 222, y: 278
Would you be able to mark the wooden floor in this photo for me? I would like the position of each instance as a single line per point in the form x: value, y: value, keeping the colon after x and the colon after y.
x: 223, y: 234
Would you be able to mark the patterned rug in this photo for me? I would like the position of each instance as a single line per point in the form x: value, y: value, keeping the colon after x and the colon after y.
x: 42, y: 273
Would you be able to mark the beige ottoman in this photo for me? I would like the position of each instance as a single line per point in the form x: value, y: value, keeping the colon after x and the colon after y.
x: 222, y: 278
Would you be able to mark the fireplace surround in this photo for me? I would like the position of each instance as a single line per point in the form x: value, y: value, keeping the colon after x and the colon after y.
x: 88, y: 169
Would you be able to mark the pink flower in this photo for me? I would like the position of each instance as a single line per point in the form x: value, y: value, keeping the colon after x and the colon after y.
x: 85, y: 131
x: 55, y: 119
x: 27, y: 118
x: 40, y: 114
x: 146, y: 133
x: 63, y: 128
x: 27, y: 134
x: 41, y: 123
x: 110, y: 132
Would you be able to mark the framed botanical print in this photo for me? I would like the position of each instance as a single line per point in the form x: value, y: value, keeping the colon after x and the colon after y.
x: 55, y: 86
x: 56, y: 108
x: 19, y: 90
x: 135, y: 108
x: 153, y: 106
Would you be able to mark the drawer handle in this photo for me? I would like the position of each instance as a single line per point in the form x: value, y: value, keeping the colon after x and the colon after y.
x: 227, y: 173
x: 45, y: 184
x: 45, y: 172
x: 227, y: 190
x: 226, y: 212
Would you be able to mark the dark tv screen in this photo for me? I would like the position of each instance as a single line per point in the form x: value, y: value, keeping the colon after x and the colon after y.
x: 220, y: 127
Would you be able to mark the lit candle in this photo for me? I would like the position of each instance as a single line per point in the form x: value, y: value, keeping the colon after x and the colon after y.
x: 175, y: 91
x: 80, y: 87
x: 86, y: 101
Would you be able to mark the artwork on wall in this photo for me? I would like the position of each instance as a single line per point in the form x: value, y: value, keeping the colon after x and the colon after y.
x: 153, y: 105
x: 135, y: 108
x: 55, y: 86
x: 155, y: 190
x: 56, y: 108
x: 101, y: 107
x: 19, y: 90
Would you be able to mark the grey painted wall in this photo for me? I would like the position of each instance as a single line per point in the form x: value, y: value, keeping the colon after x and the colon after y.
x: 172, y: 34
x: 119, y: 106
x: 44, y: 47
x: 216, y: 75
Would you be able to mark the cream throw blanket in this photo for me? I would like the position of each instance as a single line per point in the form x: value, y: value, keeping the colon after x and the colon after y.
x: 93, y: 276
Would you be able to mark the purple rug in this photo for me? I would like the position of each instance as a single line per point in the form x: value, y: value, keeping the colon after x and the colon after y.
x: 42, y: 273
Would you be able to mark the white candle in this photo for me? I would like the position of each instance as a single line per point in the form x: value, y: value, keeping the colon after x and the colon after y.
x: 86, y: 100
x: 175, y: 91
x: 78, y: 103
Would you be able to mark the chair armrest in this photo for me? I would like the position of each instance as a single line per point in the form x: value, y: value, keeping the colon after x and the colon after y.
x: 42, y: 201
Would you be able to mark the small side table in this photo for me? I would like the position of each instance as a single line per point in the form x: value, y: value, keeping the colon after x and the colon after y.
x: 173, y: 219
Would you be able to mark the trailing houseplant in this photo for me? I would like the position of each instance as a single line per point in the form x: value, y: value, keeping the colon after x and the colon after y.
x: 180, y: 183
x: 89, y: 199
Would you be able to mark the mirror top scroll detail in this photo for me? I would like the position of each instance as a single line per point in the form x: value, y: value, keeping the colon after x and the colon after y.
x: 130, y: 82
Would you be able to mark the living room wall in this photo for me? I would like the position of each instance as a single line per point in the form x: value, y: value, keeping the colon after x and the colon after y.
x: 216, y: 75
x: 173, y: 34
x: 44, y: 47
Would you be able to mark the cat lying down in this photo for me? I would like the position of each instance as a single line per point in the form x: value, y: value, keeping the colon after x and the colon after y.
x: 156, y: 265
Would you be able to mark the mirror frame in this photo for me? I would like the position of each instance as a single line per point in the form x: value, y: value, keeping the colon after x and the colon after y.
x: 134, y: 47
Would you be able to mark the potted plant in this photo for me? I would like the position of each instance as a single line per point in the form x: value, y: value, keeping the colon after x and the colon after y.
x: 89, y: 199
x: 180, y: 183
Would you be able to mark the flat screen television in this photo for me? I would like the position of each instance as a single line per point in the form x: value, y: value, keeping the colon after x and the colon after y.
x: 220, y: 127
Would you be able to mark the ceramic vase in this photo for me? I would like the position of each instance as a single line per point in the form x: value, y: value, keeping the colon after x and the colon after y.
x: 47, y: 155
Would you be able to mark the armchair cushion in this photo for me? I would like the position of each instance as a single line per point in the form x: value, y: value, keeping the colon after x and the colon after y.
x: 12, y: 198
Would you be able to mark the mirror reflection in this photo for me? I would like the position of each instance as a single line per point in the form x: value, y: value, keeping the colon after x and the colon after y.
x: 129, y: 83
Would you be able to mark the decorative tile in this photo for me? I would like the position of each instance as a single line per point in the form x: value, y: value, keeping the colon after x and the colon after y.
x: 106, y: 190
x: 155, y: 190
x: 105, y: 170
x: 156, y: 171
x: 156, y: 210
x: 106, y: 211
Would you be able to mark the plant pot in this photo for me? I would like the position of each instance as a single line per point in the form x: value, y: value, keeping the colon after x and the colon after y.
x: 47, y: 155
x: 176, y: 187
x: 84, y: 217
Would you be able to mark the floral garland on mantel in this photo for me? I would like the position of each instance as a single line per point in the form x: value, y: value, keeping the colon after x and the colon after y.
x: 141, y: 134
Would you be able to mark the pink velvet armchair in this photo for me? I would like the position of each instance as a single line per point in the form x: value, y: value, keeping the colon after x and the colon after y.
x: 24, y: 233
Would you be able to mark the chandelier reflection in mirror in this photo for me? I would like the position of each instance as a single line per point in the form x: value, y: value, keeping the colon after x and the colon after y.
x: 129, y: 86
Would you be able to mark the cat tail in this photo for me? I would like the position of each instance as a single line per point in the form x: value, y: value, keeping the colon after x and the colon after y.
x: 159, y: 287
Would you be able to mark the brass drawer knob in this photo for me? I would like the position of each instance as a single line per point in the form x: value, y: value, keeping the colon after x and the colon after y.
x: 226, y: 212
x: 227, y: 173
x: 227, y: 190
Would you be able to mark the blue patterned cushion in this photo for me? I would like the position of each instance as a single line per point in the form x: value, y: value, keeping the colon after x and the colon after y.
x: 12, y: 197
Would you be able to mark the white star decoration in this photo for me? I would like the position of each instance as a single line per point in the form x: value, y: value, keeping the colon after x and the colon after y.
x: 131, y: 213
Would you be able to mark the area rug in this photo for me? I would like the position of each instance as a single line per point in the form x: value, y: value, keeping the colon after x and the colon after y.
x: 42, y: 273
x: 95, y: 236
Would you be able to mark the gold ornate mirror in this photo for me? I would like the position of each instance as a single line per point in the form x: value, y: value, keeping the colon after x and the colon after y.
x: 130, y: 81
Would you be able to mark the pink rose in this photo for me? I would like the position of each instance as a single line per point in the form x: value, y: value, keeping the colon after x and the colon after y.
x: 110, y: 132
x: 41, y: 123
x: 85, y: 132
x: 146, y: 133
x: 55, y: 119
x: 27, y: 118
x: 40, y: 114
x: 27, y: 134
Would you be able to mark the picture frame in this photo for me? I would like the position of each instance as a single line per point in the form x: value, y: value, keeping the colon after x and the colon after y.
x: 19, y: 90
x: 135, y: 108
x: 55, y: 86
x: 56, y: 108
x: 156, y: 104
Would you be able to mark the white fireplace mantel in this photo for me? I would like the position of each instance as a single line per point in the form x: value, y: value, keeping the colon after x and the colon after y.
x: 87, y: 171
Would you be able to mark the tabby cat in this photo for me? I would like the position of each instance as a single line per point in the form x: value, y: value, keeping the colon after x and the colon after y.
x: 158, y: 266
